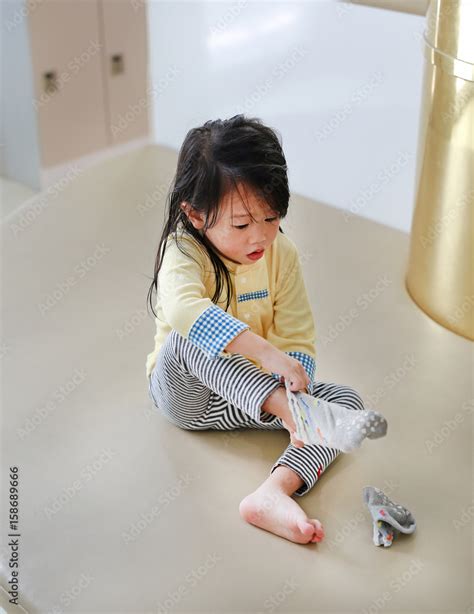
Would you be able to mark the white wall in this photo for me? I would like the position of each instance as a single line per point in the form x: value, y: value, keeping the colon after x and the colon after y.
x: 20, y: 160
x: 340, y: 82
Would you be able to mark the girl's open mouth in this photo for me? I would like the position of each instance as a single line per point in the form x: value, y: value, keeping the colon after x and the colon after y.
x: 256, y: 255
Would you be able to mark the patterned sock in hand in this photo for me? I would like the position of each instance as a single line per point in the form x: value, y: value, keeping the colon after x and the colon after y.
x: 320, y: 422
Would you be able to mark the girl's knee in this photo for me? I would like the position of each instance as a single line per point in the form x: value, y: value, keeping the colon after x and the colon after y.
x: 342, y: 394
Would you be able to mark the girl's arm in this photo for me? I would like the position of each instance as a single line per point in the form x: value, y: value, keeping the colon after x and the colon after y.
x: 186, y: 305
x: 270, y: 357
x: 250, y: 344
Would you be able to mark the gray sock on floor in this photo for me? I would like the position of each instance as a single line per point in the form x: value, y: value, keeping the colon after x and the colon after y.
x: 320, y: 422
x: 390, y: 518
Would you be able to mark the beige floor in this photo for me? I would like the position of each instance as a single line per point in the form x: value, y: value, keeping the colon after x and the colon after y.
x: 13, y: 197
x: 96, y: 460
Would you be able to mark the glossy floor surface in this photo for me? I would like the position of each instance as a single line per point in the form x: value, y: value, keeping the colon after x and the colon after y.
x: 120, y: 511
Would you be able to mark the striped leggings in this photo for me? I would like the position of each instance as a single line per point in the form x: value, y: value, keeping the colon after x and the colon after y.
x: 225, y: 393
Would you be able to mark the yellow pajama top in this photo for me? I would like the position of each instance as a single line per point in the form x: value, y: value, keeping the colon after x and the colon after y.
x: 269, y: 298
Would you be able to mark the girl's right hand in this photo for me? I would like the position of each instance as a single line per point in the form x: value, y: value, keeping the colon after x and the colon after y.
x: 290, y: 369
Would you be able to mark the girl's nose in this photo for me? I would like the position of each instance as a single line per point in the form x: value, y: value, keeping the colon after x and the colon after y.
x: 259, y: 236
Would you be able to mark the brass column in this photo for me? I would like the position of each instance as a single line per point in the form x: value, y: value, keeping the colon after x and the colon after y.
x: 440, y: 274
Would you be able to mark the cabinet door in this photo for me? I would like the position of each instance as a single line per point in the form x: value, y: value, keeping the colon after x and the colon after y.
x: 66, y: 51
x: 126, y: 68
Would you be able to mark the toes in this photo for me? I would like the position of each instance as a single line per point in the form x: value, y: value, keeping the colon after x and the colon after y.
x: 306, y: 528
x: 318, y: 530
x: 317, y: 524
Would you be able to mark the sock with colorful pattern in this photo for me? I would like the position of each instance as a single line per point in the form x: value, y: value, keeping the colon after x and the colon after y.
x: 320, y: 422
x: 390, y: 518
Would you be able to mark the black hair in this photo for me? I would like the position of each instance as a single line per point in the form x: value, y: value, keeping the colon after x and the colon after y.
x: 212, y: 159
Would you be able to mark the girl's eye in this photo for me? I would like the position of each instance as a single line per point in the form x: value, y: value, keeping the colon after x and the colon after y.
x: 269, y: 219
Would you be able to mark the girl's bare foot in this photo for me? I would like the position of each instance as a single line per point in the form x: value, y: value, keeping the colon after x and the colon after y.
x: 271, y: 507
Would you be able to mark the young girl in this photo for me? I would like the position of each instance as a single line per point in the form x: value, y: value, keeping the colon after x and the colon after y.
x: 233, y: 318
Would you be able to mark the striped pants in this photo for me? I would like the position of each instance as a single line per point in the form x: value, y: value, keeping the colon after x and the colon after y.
x: 225, y: 393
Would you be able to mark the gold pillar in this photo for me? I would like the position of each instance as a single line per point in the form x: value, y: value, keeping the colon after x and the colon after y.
x: 440, y: 274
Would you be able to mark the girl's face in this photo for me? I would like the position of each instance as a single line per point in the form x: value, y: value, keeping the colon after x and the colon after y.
x: 235, y: 234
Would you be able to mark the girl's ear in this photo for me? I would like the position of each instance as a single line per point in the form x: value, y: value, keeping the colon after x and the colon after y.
x: 193, y: 216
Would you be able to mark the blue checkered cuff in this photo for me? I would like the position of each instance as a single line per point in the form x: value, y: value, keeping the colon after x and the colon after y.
x: 306, y: 360
x: 214, y: 329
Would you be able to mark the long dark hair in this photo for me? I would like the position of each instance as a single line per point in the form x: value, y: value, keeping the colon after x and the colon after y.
x: 212, y: 159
